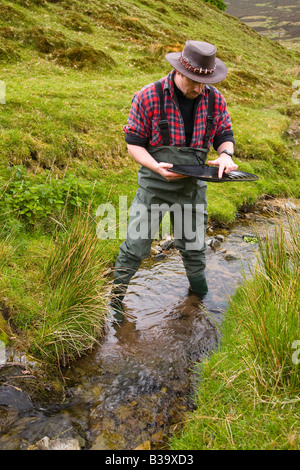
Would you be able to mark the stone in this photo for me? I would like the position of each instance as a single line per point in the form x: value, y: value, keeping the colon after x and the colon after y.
x: 290, y: 206
x: 160, y: 256
x: 43, y: 444
x: 57, y: 444
x: 167, y: 245
x: 230, y: 257
x: 64, y: 444
x: 158, y: 437
x: 16, y: 398
x: 108, y: 440
x: 144, y: 446
x: 248, y: 235
x: 213, y: 242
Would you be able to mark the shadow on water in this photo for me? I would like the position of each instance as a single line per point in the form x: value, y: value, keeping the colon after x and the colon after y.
x: 138, y: 385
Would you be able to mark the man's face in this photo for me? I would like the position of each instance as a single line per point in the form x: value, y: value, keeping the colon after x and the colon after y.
x: 189, y: 88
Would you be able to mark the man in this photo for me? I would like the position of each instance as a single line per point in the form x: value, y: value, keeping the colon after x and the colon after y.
x: 174, y: 121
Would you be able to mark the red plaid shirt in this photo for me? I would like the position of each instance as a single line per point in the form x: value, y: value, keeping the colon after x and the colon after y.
x: 143, y: 129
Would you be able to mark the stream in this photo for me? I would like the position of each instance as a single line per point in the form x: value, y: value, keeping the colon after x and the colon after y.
x: 136, y: 388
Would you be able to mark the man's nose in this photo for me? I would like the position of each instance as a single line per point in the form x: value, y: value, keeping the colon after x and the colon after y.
x: 198, y: 87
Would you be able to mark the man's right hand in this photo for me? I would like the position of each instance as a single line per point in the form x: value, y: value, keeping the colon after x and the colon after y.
x: 143, y: 157
x: 162, y: 169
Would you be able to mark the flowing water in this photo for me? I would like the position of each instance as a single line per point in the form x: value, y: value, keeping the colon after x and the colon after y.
x: 138, y: 385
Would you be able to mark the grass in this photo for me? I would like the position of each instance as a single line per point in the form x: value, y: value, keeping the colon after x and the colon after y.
x: 70, y: 70
x: 75, y: 311
x: 53, y: 289
x: 248, y: 395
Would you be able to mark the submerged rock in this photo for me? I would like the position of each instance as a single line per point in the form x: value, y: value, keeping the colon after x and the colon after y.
x: 144, y: 446
x: 108, y: 440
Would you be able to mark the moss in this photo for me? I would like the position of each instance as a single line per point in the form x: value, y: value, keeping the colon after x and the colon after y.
x: 8, y: 52
x: 45, y: 40
x: 83, y: 57
x: 5, y: 329
x: 10, y: 14
x: 31, y: 3
x: 76, y: 22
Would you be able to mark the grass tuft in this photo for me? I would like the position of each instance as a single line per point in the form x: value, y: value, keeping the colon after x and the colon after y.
x: 75, y: 313
x: 249, y: 394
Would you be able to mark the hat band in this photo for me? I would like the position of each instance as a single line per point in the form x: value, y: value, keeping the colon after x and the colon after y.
x: 198, y: 70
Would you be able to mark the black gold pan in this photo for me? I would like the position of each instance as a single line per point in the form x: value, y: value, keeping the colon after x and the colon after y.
x: 210, y: 173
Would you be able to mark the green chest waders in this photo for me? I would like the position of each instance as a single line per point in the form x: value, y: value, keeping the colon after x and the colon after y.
x: 184, y: 199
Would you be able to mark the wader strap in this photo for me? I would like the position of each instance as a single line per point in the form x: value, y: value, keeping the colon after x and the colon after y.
x: 210, y: 117
x: 163, y: 123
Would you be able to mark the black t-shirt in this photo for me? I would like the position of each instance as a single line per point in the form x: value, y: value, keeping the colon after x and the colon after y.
x: 187, y: 109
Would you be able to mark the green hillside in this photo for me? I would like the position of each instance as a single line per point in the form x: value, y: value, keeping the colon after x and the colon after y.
x: 70, y: 69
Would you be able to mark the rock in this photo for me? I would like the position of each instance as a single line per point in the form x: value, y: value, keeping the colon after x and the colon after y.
x: 248, y: 235
x: 290, y: 206
x: 43, y: 444
x: 213, y: 242
x: 158, y: 437
x: 167, y: 244
x: 64, y: 444
x: 108, y: 440
x: 160, y: 256
x: 230, y: 257
x: 57, y: 444
x: 144, y: 446
x: 15, y: 398
x: 221, y: 238
x: 209, y: 242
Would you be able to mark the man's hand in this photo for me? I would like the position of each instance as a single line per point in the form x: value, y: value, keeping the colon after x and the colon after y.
x: 225, y: 163
x: 162, y: 169
x: 143, y: 157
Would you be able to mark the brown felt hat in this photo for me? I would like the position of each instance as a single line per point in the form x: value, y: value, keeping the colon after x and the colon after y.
x: 198, y: 62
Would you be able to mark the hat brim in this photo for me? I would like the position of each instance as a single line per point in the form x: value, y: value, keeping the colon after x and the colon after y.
x: 216, y: 77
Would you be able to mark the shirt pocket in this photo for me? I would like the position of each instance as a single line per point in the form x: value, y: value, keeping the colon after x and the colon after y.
x: 156, y: 138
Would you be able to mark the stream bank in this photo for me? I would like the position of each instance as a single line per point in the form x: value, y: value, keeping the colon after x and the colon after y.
x: 137, y: 387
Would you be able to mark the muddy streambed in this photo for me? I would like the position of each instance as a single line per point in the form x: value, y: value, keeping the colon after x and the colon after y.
x: 136, y: 388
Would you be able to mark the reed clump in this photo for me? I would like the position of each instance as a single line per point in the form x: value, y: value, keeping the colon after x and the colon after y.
x: 268, y: 310
x: 75, y: 313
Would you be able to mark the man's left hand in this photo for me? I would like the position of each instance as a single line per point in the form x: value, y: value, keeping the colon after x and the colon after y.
x: 225, y: 163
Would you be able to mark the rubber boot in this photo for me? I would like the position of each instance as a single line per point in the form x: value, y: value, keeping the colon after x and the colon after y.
x: 116, y: 301
x: 198, y: 285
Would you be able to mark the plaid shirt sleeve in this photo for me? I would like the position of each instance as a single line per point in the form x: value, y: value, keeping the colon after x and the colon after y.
x: 222, y: 130
x: 139, y: 127
x: 143, y: 122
